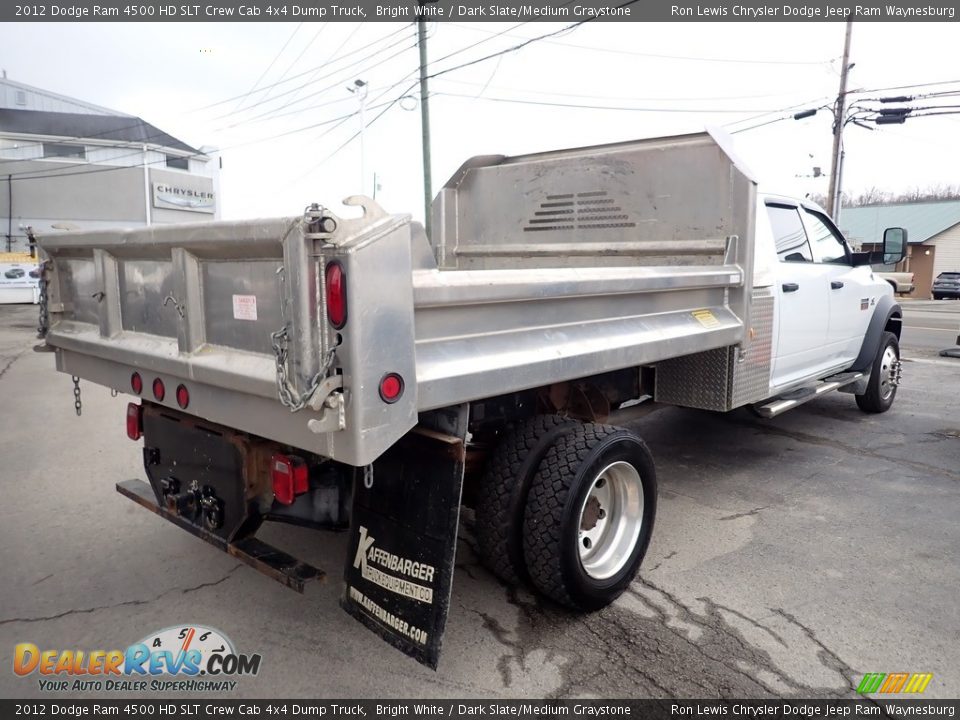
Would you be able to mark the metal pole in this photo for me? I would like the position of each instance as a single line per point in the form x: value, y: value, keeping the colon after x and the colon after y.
x: 425, y: 124
x: 362, y: 95
x: 9, y: 205
x: 146, y: 187
x: 834, y: 193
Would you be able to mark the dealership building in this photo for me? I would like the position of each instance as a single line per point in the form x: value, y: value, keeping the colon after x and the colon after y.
x: 66, y: 164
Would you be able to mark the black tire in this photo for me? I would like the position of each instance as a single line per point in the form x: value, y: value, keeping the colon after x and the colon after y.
x: 937, y: 297
x: 502, y: 494
x: 881, y: 392
x: 558, y: 497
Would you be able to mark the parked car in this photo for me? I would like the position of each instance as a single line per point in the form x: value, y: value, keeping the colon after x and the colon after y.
x: 947, y: 285
x: 901, y: 282
x: 14, y: 273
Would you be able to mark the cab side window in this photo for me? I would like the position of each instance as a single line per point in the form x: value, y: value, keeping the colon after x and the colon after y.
x: 827, y: 246
x: 788, y: 234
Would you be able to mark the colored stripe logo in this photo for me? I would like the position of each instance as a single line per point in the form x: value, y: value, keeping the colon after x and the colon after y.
x: 894, y: 683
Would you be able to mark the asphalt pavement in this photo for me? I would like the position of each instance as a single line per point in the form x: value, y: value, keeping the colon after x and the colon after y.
x: 790, y: 557
x: 931, y: 323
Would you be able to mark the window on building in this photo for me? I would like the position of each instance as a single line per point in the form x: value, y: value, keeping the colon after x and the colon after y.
x: 21, y: 97
x: 788, y: 234
x: 180, y: 163
x: 64, y: 150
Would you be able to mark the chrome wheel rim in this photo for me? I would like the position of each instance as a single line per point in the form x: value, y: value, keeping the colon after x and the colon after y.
x: 610, y: 520
x: 888, y: 372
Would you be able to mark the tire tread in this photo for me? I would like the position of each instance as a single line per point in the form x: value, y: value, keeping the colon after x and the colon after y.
x: 498, y: 535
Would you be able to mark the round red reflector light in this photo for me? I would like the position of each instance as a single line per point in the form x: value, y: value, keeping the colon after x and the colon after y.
x: 336, y: 295
x: 158, y: 389
x: 391, y: 388
x: 136, y: 383
x: 183, y: 396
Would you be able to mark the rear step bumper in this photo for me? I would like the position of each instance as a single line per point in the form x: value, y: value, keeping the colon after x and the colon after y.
x: 259, y: 555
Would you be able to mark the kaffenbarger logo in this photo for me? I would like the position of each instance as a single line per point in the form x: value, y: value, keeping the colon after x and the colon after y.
x: 409, y: 571
x: 182, y: 658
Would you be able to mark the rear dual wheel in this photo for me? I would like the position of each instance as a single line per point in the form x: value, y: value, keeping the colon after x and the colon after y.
x: 588, y: 511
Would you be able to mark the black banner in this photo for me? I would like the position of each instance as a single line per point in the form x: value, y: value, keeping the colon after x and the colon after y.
x: 567, y: 11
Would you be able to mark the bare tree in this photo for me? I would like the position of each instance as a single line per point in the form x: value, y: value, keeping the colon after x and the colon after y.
x: 876, y: 196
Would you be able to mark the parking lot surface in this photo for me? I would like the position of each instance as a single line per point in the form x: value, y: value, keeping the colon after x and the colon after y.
x: 790, y: 557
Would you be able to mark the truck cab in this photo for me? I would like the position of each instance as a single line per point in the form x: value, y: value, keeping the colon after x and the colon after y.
x: 825, y: 299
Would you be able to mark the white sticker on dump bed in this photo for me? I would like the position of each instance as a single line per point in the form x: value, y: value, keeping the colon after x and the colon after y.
x: 244, y: 307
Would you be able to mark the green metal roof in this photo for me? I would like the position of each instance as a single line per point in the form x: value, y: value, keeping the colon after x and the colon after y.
x: 922, y: 220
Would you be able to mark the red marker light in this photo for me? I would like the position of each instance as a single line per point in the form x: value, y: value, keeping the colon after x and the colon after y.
x: 136, y: 383
x: 158, y: 389
x: 391, y: 387
x: 290, y: 477
x: 336, y: 294
x: 134, y: 421
x: 183, y: 396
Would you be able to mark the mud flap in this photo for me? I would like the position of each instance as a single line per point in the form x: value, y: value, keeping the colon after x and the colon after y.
x: 403, y: 538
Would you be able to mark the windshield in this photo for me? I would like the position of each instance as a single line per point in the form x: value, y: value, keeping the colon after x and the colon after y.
x: 949, y: 276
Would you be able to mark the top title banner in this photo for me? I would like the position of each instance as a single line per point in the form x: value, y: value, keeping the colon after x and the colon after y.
x: 478, y: 11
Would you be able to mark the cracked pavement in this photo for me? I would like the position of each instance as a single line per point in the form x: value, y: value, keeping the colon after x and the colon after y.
x: 790, y: 557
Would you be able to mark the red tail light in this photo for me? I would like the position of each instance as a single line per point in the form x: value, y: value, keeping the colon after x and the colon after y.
x: 158, y: 389
x: 136, y: 383
x: 336, y: 295
x: 391, y: 387
x: 183, y: 396
x: 134, y: 421
x: 289, y: 477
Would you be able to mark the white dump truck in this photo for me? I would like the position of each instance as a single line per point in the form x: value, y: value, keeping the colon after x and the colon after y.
x: 351, y: 373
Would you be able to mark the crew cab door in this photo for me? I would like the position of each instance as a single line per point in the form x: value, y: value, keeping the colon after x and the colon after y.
x: 851, y: 294
x: 803, y: 298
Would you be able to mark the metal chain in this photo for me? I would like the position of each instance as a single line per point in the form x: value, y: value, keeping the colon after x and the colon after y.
x: 43, y: 323
x: 289, y: 397
x: 280, y: 340
x: 77, y: 404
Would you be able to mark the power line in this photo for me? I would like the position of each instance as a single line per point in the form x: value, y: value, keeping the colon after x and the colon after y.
x: 905, y: 87
x: 305, y: 72
x: 323, y: 26
x: 160, y: 133
x: 663, y: 56
x: 594, y: 107
x: 333, y: 54
x: 322, y: 77
x: 40, y: 174
x: 550, y: 93
x: 274, y: 112
x: 268, y: 68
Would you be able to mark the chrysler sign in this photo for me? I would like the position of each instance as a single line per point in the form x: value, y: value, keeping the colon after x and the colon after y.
x: 174, y: 197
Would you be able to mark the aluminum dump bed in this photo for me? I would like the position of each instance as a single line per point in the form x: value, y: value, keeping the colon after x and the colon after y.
x: 542, y: 268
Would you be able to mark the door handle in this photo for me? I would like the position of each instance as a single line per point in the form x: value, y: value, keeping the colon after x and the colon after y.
x: 790, y: 287
x: 836, y: 284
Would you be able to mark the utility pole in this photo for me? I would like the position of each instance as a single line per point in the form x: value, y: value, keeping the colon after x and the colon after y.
x: 425, y: 123
x: 836, y: 159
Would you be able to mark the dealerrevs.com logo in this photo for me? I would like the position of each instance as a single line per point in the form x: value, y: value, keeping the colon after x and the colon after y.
x: 181, y: 658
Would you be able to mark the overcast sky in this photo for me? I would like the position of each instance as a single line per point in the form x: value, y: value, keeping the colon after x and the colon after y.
x: 717, y: 74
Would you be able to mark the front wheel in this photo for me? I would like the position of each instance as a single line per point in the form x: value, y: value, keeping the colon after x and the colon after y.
x: 884, y: 377
x: 589, y: 516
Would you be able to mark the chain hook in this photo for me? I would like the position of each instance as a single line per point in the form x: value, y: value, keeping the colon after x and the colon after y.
x: 77, y: 403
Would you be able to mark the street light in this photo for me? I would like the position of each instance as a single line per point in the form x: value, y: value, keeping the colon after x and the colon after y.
x: 360, y: 88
